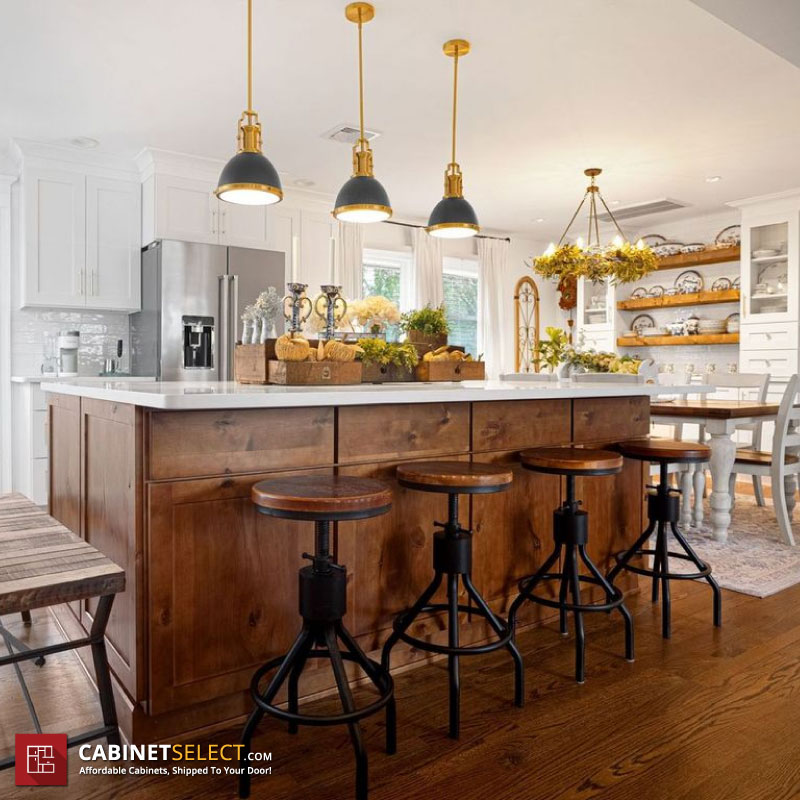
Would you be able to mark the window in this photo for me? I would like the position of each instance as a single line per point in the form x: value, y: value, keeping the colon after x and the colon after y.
x: 461, y: 302
x: 387, y: 273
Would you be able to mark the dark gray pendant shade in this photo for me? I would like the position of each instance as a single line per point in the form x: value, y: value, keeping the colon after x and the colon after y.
x: 362, y: 199
x: 250, y: 179
x: 453, y: 218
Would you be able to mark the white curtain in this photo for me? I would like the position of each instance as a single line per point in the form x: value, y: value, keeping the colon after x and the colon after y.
x: 493, y: 260
x: 349, y: 258
x: 428, y: 289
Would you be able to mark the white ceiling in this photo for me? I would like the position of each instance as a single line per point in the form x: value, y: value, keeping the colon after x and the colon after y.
x: 660, y: 94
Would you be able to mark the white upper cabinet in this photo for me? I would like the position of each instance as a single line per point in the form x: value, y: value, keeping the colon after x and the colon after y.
x: 185, y: 209
x: 317, y: 228
x: 113, y: 248
x: 54, y: 223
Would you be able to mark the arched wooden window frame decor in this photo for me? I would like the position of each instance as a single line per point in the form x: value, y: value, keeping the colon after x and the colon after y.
x: 526, y: 325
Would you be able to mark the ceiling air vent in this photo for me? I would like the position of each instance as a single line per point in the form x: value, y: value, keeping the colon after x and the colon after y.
x: 643, y: 209
x: 348, y: 134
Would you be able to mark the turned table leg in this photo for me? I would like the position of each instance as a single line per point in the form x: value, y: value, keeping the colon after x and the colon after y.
x: 699, y: 479
x: 723, y: 454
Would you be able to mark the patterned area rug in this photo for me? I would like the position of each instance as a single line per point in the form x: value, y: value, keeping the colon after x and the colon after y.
x: 754, y: 560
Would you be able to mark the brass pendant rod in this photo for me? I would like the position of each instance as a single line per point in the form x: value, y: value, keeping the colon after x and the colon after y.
x: 362, y: 141
x: 569, y: 224
x: 250, y: 57
x: 455, y: 103
x: 613, y: 219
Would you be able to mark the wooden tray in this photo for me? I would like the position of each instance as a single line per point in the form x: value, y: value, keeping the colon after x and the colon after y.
x: 251, y: 362
x: 451, y: 371
x: 391, y: 373
x: 314, y: 373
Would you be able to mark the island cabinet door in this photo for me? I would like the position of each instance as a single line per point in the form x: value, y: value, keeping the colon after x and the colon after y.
x: 222, y: 588
x: 111, y: 521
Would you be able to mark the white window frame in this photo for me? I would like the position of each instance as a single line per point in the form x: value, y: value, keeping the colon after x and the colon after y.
x: 400, y: 259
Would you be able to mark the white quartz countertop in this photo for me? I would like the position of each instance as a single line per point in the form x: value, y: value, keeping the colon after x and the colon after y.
x: 221, y: 394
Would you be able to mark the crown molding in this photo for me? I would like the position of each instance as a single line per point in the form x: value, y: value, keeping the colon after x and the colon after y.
x: 45, y: 154
x: 788, y: 194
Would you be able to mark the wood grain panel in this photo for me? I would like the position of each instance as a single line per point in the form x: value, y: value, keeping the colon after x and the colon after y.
x: 513, y: 533
x: 223, y: 588
x: 610, y: 419
x: 393, y: 432
x: 186, y: 444
x: 517, y: 424
x: 64, y: 422
x: 111, y: 520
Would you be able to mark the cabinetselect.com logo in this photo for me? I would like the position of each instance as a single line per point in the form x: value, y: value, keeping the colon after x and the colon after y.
x: 40, y: 759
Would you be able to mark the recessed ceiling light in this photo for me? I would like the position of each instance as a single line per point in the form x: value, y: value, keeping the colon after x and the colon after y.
x: 540, y: 219
x: 713, y: 178
x: 303, y: 183
x: 615, y: 202
x: 84, y: 142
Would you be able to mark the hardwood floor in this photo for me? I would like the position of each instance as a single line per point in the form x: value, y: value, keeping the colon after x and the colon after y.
x: 711, y: 714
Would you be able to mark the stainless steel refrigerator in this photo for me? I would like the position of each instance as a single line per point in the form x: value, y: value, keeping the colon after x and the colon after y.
x: 192, y: 298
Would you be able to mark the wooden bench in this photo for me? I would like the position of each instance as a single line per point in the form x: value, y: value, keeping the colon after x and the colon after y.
x: 43, y: 564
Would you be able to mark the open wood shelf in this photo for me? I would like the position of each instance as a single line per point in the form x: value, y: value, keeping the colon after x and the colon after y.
x: 672, y: 301
x: 674, y: 341
x: 688, y: 260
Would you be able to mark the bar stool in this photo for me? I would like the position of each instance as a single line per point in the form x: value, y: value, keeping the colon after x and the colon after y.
x: 663, y: 508
x: 571, y: 534
x: 452, y: 558
x: 323, y: 603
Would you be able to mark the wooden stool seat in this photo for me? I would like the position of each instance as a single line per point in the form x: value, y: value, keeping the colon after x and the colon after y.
x: 457, y: 477
x: 762, y: 457
x: 572, y: 461
x: 322, y: 497
x: 665, y: 450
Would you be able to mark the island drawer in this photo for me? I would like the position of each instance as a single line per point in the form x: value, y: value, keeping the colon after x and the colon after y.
x: 517, y: 424
x: 407, y: 430
x: 194, y: 444
x: 609, y: 419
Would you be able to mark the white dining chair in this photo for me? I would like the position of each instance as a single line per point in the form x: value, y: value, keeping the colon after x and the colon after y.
x: 750, y: 386
x: 781, y: 465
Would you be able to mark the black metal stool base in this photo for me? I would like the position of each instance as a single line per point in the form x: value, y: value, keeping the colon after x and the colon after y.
x: 452, y: 558
x: 322, y: 604
x: 662, y: 511
x: 570, y: 581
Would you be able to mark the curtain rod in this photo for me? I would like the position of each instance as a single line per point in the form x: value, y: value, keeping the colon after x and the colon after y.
x: 478, y: 236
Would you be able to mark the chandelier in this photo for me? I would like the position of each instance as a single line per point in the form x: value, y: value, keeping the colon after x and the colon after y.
x: 620, y: 260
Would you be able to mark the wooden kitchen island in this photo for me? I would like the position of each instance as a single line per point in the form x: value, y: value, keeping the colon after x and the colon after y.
x: 157, y: 476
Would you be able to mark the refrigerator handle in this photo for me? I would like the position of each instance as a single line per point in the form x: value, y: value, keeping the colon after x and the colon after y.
x: 223, y: 328
x: 234, y: 322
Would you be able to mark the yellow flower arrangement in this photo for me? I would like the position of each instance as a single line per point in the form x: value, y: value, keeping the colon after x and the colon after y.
x: 374, y: 313
x: 621, y: 261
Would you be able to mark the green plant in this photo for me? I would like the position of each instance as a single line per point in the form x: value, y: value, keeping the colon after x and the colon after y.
x: 379, y: 351
x: 430, y: 321
x: 554, y: 349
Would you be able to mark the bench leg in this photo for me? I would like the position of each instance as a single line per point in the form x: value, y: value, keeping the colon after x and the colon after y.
x: 101, y: 670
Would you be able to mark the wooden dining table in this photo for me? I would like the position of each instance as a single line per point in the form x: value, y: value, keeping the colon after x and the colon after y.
x: 720, y: 419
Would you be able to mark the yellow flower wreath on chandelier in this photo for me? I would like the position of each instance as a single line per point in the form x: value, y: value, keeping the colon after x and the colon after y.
x: 620, y: 261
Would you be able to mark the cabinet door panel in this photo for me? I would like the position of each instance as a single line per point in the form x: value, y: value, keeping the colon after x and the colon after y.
x: 223, y: 588
x: 55, y: 238
x: 186, y: 210
x: 315, y: 250
x: 243, y: 226
x: 113, y: 251
x: 283, y: 224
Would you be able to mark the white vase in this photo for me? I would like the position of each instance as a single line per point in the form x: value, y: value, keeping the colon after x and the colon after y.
x: 266, y: 330
x: 247, y: 331
x: 256, y: 339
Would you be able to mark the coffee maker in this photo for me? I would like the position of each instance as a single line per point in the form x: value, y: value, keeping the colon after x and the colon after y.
x: 68, y: 343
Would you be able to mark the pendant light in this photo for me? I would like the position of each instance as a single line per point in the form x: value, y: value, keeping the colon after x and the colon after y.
x: 362, y: 198
x: 453, y: 217
x: 249, y: 178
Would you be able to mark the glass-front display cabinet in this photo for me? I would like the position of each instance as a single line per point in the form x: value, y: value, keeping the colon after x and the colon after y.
x: 770, y: 269
x: 595, y: 304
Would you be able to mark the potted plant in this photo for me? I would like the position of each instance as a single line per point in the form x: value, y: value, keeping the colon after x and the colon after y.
x: 426, y: 326
x: 387, y: 361
x: 553, y: 350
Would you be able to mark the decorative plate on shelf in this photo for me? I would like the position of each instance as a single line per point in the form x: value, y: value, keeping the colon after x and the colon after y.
x: 737, y: 283
x: 667, y: 249
x: 689, y: 282
x: 641, y: 322
x: 729, y: 237
x: 638, y: 294
x: 656, y: 291
x: 766, y: 252
x: 694, y: 247
x: 672, y: 291
x: 721, y: 284
x: 653, y: 239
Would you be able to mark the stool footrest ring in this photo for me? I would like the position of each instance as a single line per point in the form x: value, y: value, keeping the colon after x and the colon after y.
x: 609, y: 605
x: 318, y: 720
x: 651, y: 573
x: 441, y: 649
